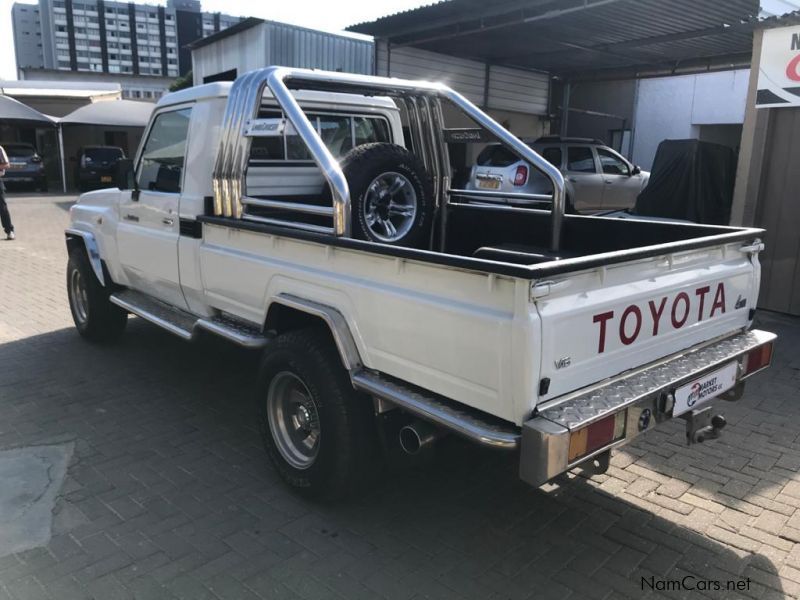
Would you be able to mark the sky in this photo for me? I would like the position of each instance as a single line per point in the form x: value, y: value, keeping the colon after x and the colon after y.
x: 327, y: 15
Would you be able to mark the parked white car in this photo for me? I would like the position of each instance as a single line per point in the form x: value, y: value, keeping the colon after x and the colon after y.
x: 597, y: 177
x: 388, y: 304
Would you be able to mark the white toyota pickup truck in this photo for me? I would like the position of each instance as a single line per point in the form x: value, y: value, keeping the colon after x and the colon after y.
x: 315, y: 216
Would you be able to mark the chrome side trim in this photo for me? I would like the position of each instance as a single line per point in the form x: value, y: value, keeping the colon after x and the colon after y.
x: 311, y: 209
x: 234, y: 331
x: 284, y: 223
x: 345, y: 343
x: 459, y: 419
x: 151, y: 313
x: 92, y: 251
x: 499, y: 195
x: 186, y: 325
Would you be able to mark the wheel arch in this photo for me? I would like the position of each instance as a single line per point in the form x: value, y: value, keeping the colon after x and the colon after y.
x: 287, y: 312
x: 83, y: 239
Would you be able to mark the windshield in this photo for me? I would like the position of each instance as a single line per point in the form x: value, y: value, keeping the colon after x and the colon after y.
x: 103, y: 154
x: 19, y: 150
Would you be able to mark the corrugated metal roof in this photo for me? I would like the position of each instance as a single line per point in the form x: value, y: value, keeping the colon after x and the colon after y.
x: 574, y: 36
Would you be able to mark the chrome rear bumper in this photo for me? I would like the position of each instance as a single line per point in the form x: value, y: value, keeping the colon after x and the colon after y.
x: 645, y: 394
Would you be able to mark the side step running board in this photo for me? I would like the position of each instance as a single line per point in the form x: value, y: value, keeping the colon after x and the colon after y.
x: 464, y: 421
x: 185, y: 325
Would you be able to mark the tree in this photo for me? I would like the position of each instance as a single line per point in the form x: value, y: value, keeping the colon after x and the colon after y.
x: 182, y: 82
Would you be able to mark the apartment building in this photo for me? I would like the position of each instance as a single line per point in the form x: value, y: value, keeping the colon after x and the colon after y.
x: 140, y: 46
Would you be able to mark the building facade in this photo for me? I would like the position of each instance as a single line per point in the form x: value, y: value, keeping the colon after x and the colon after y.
x: 27, y: 29
x: 118, y: 40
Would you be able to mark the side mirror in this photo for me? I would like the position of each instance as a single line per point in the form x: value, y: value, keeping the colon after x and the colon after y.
x: 636, y: 170
x: 124, y: 176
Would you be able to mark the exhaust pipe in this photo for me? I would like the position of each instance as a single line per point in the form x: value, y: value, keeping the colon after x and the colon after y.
x: 418, y: 436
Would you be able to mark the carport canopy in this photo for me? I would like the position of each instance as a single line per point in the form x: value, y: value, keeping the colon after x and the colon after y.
x: 111, y: 113
x: 17, y: 112
x: 581, y: 39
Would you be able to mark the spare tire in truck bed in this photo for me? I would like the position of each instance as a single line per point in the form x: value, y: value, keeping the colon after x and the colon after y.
x: 391, y: 195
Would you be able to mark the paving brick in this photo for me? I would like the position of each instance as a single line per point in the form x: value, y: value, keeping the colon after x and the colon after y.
x: 169, y: 494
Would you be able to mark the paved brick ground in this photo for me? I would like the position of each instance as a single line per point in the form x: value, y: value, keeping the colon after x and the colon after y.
x: 168, y: 494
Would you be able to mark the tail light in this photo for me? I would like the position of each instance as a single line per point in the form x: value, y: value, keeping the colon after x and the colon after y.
x: 36, y: 159
x: 757, y: 359
x: 86, y: 161
x: 521, y: 176
x: 601, y: 433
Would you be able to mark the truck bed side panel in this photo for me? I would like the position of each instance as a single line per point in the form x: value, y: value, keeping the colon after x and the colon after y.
x: 447, y: 330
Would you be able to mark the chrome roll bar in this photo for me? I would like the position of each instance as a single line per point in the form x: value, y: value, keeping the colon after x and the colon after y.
x: 245, y: 101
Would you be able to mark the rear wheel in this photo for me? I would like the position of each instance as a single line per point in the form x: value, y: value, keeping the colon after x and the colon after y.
x: 95, y: 317
x: 317, y: 430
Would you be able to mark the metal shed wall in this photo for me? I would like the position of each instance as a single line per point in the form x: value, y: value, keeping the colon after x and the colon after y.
x: 297, y: 47
x: 270, y: 43
x: 509, y: 89
x: 244, y: 51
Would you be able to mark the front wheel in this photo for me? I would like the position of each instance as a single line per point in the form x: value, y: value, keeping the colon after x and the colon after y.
x: 95, y: 317
x: 317, y: 430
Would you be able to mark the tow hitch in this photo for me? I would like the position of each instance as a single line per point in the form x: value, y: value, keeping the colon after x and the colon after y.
x: 701, y: 425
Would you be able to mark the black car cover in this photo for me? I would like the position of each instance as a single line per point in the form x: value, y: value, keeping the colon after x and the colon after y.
x: 691, y: 180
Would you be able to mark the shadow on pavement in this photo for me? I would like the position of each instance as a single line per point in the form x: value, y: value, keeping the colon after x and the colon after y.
x: 167, y: 453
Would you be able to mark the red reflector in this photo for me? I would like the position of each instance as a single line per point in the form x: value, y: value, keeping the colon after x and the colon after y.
x: 521, y: 176
x: 600, y: 433
x: 758, y: 358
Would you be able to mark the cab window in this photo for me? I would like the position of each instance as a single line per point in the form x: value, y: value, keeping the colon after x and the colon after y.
x: 580, y: 159
x: 612, y: 164
x: 161, y: 165
x: 340, y: 133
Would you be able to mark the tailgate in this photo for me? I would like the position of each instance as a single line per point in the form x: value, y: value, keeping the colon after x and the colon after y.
x: 602, y: 322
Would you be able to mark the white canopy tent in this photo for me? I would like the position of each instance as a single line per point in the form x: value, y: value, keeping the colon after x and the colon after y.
x: 117, y: 113
x: 14, y: 110
x: 112, y: 113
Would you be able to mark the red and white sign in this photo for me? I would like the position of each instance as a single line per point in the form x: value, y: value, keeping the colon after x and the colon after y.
x: 701, y: 390
x: 779, y: 68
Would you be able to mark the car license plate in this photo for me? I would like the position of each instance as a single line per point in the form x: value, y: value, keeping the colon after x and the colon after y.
x: 105, y: 179
x: 16, y: 165
x: 489, y: 184
x: 704, y: 389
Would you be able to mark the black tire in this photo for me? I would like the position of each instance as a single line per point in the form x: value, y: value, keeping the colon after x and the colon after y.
x: 346, y: 430
x: 43, y: 185
x: 95, y: 317
x: 366, y: 164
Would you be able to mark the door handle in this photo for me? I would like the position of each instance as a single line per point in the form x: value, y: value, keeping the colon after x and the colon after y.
x: 572, y: 179
x: 608, y: 181
x: 167, y: 221
x: 133, y: 218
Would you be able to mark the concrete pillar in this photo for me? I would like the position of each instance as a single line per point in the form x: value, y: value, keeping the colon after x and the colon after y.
x: 751, y: 150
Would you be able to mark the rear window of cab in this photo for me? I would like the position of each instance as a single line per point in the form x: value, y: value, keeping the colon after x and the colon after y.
x: 340, y: 133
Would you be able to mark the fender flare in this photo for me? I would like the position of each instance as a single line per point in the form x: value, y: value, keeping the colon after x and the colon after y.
x: 92, y: 251
x: 340, y: 330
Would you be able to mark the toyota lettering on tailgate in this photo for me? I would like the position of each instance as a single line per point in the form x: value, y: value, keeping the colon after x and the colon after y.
x: 659, y: 314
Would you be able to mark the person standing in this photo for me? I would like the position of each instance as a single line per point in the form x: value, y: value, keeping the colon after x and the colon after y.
x: 5, y: 216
